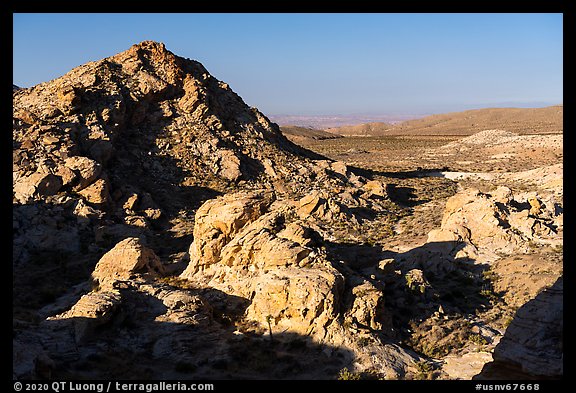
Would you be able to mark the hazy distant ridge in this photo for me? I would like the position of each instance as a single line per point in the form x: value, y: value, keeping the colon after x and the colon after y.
x: 368, y: 129
x: 548, y: 120
x: 306, y: 132
x: 321, y: 122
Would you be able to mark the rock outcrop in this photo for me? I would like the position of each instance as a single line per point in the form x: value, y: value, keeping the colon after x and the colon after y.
x: 127, y: 257
x: 266, y: 251
x: 146, y: 122
x: 498, y: 222
x: 114, y: 158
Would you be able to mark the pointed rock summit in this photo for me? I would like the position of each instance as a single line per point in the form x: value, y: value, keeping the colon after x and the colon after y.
x: 153, y: 95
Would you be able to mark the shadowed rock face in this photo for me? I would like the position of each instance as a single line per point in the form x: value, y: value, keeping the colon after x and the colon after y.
x: 532, y: 346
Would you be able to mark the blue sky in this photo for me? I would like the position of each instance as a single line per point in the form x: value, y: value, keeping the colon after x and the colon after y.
x: 311, y: 64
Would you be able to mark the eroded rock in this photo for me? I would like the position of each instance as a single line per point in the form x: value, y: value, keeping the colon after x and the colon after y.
x: 29, y: 188
x: 497, y: 222
x: 85, y: 168
x: 218, y: 221
x: 128, y: 257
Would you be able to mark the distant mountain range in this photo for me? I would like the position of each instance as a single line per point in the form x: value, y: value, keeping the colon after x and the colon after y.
x: 322, y: 122
x: 547, y: 120
x: 367, y: 129
x: 294, y: 133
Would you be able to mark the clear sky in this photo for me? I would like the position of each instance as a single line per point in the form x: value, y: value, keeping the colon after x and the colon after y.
x: 313, y: 64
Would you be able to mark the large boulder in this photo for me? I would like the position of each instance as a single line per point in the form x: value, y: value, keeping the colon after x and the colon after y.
x: 39, y: 184
x: 217, y: 221
x: 127, y: 258
x: 274, y: 258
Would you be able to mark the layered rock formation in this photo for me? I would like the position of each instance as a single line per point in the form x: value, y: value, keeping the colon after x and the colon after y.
x: 248, y: 246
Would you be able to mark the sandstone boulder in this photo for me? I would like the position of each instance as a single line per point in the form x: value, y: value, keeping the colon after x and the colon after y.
x: 498, y: 222
x: 36, y: 185
x: 127, y: 258
x: 217, y: 221
x: 96, y: 193
x: 273, y: 259
x: 298, y: 300
x: 85, y: 168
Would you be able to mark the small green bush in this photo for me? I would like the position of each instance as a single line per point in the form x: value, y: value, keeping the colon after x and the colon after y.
x: 347, y: 375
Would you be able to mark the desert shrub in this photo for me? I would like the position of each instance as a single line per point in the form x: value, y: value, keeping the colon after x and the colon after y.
x: 347, y: 375
x: 425, y: 370
x: 478, y: 339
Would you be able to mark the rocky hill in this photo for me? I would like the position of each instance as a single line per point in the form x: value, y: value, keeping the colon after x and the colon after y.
x: 129, y: 147
x: 163, y: 229
x: 523, y: 121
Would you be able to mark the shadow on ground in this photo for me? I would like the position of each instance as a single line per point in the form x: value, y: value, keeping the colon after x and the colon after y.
x: 139, y: 343
x: 423, y: 287
x: 532, y: 347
